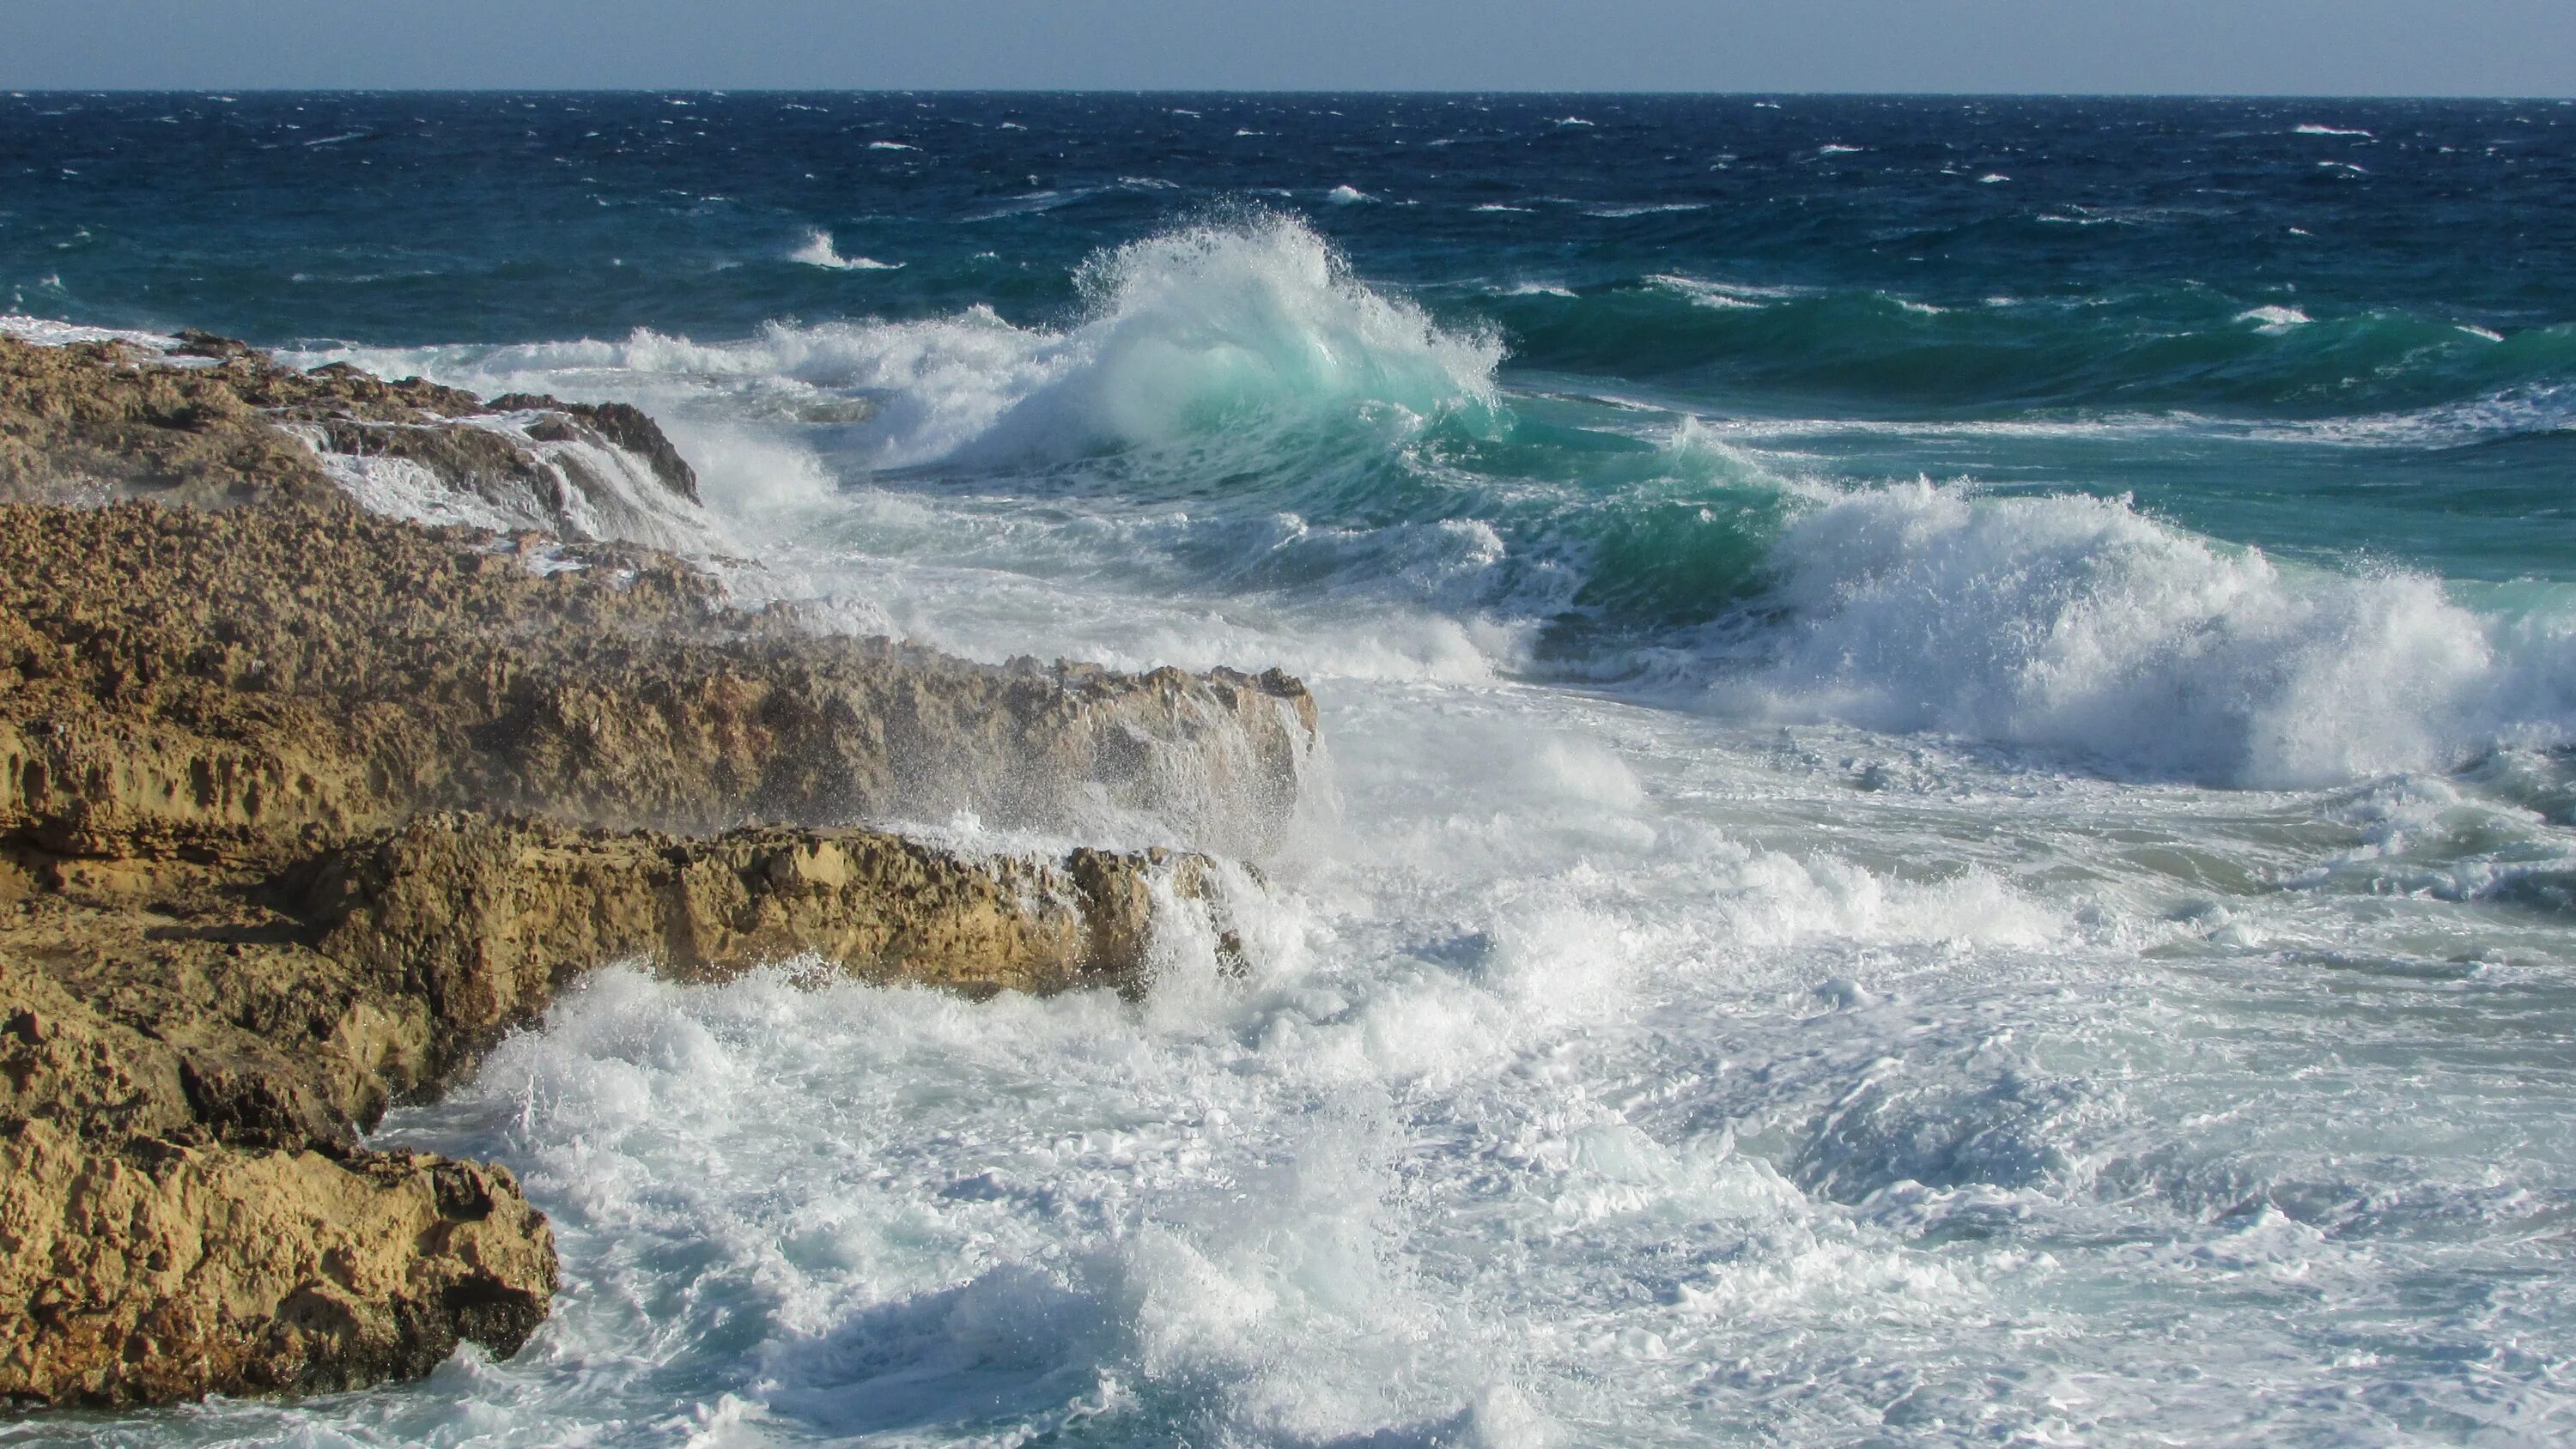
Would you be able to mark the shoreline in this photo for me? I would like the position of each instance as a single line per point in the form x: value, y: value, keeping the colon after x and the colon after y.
x: 303, y: 808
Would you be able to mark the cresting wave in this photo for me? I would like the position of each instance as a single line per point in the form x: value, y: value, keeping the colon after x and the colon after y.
x: 2078, y: 625
x: 1250, y: 419
x: 1183, y: 335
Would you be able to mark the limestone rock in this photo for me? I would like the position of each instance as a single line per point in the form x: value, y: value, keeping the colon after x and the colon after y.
x: 159, y: 1271
x: 301, y: 807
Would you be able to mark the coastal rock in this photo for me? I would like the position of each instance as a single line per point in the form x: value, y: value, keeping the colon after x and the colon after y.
x: 484, y: 920
x: 220, y: 682
x: 185, y: 1059
x: 214, y: 422
x: 303, y: 806
x: 184, y: 1209
x: 162, y: 1271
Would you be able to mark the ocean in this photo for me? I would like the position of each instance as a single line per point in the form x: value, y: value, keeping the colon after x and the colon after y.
x: 1946, y: 811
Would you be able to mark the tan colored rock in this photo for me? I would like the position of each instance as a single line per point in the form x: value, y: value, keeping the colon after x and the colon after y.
x: 268, y: 768
x: 220, y: 682
x: 486, y: 920
x: 158, y: 1271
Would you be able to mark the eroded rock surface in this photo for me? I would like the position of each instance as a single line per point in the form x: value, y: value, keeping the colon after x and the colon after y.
x: 213, y: 422
x: 302, y: 807
x: 213, y: 681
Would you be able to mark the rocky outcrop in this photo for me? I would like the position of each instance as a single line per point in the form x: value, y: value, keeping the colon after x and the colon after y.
x: 483, y: 921
x: 210, y: 421
x: 302, y: 807
x: 185, y: 1206
x: 166, y: 1271
x: 216, y: 681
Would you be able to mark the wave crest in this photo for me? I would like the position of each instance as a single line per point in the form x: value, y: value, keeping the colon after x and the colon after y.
x: 1249, y: 327
x: 2078, y: 624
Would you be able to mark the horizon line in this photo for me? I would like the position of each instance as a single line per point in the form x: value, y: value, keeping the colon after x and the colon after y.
x: 1504, y: 91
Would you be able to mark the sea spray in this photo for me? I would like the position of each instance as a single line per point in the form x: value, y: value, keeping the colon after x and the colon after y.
x: 2077, y: 624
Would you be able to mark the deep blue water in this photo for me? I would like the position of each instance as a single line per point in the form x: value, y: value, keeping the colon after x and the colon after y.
x: 2107, y: 273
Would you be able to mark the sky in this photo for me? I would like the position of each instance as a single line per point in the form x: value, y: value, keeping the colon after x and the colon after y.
x: 2240, y: 47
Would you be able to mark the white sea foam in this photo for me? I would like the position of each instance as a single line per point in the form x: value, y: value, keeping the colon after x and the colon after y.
x: 2078, y: 624
x: 2311, y: 128
x: 1347, y: 196
x: 402, y: 488
x: 1645, y: 208
x: 598, y: 491
x: 1186, y: 336
x: 1034, y: 202
x: 46, y: 332
x: 1709, y: 294
x: 817, y: 251
x: 1817, y: 1067
x: 2274, y: 318
x: 2511, y: 412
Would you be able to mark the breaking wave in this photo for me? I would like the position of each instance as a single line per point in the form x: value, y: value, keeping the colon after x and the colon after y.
x: 1253, y: 421
x: 2077, y: 624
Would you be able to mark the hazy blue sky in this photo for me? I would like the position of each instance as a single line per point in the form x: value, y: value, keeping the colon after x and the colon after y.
x: 2443, y: 47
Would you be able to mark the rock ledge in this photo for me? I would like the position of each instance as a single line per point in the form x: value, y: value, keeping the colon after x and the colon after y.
x: 303, y: 807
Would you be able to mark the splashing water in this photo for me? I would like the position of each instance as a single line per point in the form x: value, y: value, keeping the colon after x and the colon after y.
x: 1785, y: 951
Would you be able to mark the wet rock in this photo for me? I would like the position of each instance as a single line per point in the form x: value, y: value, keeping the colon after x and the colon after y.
x: 302, y: 806
x: 159, y: 1270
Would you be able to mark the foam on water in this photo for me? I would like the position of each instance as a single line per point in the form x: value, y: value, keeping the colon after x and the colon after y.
x: 598, y: 491
x: 2077, y: 624
x: 1799, y: 957
x: 1186, y: 335
x: 1556, y: 1110
x: 817, y: 251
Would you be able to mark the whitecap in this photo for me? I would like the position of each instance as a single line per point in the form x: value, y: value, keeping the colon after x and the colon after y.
x: 1347, y: 196
x: 1722, y: 294
x: 1187, y: 338
x: 47, y: 332
x: 1655, y: 208
x: 2275, y: 318
x: 2311, y: 128
x: 818, y: 251
x: 2078, y: 624
x: 1035, y: 201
